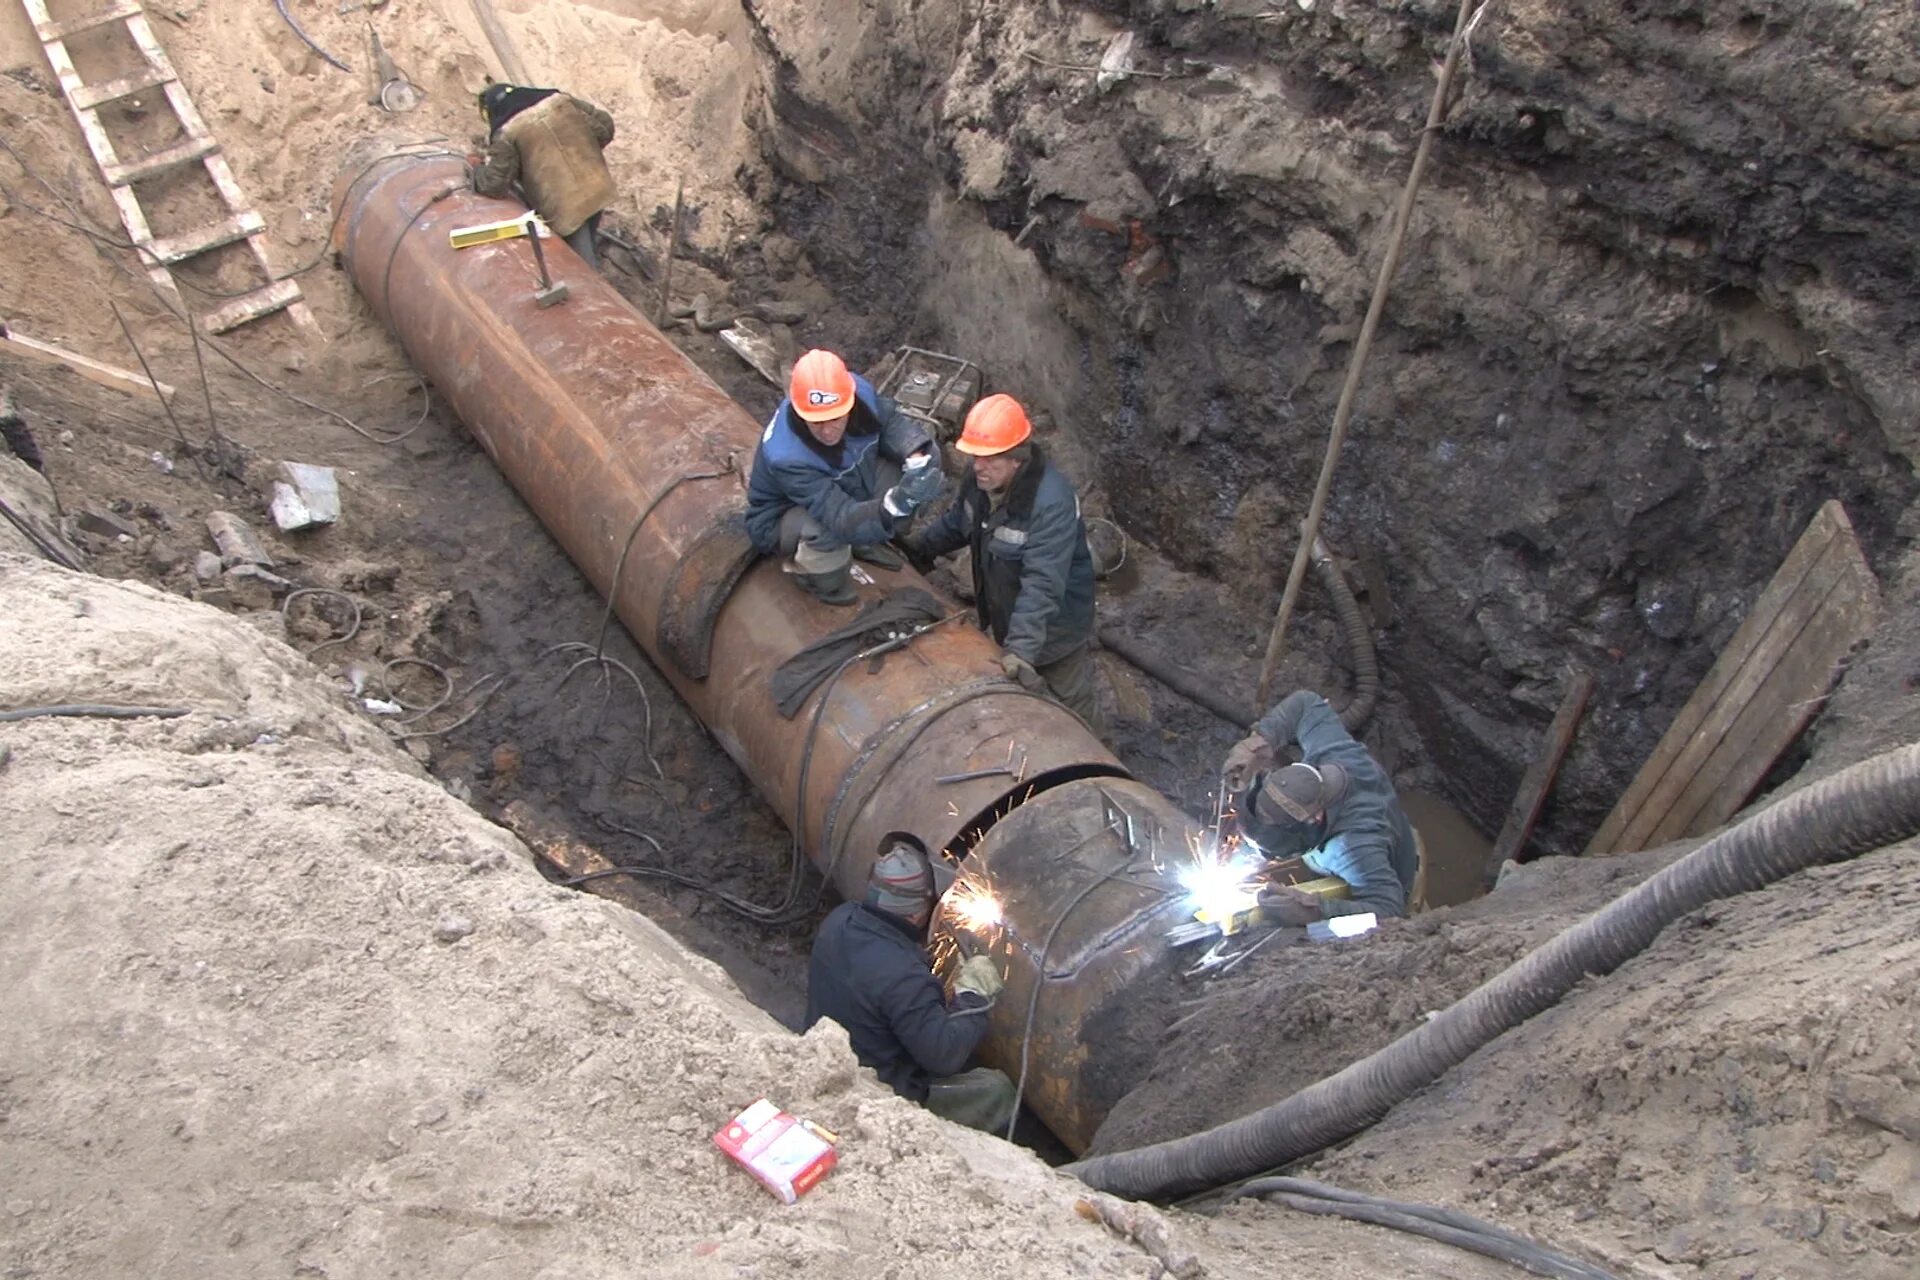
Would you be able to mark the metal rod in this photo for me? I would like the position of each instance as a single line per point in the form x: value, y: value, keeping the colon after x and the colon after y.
x: 673, y: 243
x: 1343, y: 413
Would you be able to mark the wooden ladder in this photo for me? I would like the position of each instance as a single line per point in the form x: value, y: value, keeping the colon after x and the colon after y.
x: 197, y: 144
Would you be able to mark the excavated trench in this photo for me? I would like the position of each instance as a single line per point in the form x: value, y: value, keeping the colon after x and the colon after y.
x: 1599, y: 412
x: 1639, y: 336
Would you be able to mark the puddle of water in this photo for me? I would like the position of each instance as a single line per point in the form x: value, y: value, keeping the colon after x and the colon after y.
x: 1456, y: 851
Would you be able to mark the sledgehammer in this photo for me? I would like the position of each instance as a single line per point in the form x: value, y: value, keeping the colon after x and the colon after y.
x: 550, y: 291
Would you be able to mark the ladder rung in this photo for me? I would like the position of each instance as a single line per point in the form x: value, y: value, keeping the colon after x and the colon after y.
x: 185, y: 151
x: 72, y: 26
x: 263, y: 301
x: 89, y: 96
x: 188, y: 243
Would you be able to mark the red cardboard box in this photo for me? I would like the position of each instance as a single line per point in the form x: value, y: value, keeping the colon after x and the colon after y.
x: 788, y: 1156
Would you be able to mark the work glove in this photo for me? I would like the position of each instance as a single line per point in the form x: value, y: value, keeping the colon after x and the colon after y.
x: 1285, y: 905
x: 1251, y: 755
x: 980, y: 975
x: 1018, y: 668
x: 920, y: 482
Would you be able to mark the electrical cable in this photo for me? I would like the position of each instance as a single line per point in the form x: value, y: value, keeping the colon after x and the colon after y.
x: 1449, y: 1226
x: 103, y: 710
x: 418, y: 713
x: 619, y: 565
x: 1040, y: 964
x: 788, y: 910
x: 352, y: 630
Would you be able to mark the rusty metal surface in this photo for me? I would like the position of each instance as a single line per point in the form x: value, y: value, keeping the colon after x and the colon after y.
x: 1085, y: 877
x: 635, y: 462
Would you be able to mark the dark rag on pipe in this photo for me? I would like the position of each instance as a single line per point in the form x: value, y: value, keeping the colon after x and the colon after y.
x: 885, y: 619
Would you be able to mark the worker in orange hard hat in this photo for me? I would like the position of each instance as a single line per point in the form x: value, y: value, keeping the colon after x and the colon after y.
x: 839, y: 471
x: 1032, y: 571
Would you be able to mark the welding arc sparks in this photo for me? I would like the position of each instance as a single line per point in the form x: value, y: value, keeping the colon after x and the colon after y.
x: 972, y: 906
x: 1221, y: 878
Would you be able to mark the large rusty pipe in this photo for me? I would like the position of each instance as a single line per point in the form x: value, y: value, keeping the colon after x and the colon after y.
x: 634, y: 460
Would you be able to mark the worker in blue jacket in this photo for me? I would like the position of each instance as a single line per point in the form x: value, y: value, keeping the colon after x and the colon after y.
x: 1032, y: 570
x: 840, y: 469
x: 1336, y: 809
x: 869, y: 973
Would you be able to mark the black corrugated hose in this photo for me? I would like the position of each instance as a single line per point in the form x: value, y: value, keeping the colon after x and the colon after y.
x: 1353, y: 623
x: 1861, y: 808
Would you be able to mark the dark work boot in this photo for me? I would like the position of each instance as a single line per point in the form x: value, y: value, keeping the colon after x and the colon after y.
x: 832, y: 587
x: 881, y: 554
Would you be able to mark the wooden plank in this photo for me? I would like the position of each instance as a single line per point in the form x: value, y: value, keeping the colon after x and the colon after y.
x: 74, y: 26
x: 1776, y: 637
x: 1779, y: 711
x: 1538, y: 780
x: 1759, y: 696
x: 1785, y: 581
x: 502, y: 43
x: 88, y: 96
x: 188, y: 243
x: 261, y: 302
x: 185, y: 151
x: 16, y: 343
x: 229, y: 187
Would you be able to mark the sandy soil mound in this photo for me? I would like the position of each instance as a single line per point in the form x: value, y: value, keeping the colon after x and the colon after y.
x: 277, y: 1004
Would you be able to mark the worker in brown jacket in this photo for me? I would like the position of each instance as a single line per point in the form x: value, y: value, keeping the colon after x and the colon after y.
x: 550, y: 143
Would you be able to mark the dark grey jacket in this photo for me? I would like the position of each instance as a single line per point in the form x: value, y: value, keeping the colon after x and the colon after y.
x: 1032, y: 572
x: 1365, y: 839
x: 869, y: 974
x: 840, y: 487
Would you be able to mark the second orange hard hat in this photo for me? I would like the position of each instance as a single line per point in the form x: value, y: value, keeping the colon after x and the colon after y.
x: 995, y: 425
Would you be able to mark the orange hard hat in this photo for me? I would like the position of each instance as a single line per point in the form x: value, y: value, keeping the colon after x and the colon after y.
x: 995, y: 425
x: 821, y: 386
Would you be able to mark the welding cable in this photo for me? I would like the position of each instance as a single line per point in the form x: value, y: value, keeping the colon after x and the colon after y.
x: 613, y: 586
x: 401, y: 151
x: 1040, y: 963
x: 52, y: 550
x: 1449, y: 1226
x: 605, y: 663
x: 788, y: 910
x: 1861, y: 808
x: 306, y: 39
x: 353, y: 627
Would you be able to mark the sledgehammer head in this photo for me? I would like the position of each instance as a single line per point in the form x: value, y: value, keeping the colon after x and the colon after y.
x: 546, y: 297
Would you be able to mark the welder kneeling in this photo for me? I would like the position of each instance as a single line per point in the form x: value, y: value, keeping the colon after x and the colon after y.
x: 1336, y: 810
x: 869, y: 973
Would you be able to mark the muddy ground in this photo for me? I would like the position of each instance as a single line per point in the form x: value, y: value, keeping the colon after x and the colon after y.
x: 1644, y: 329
